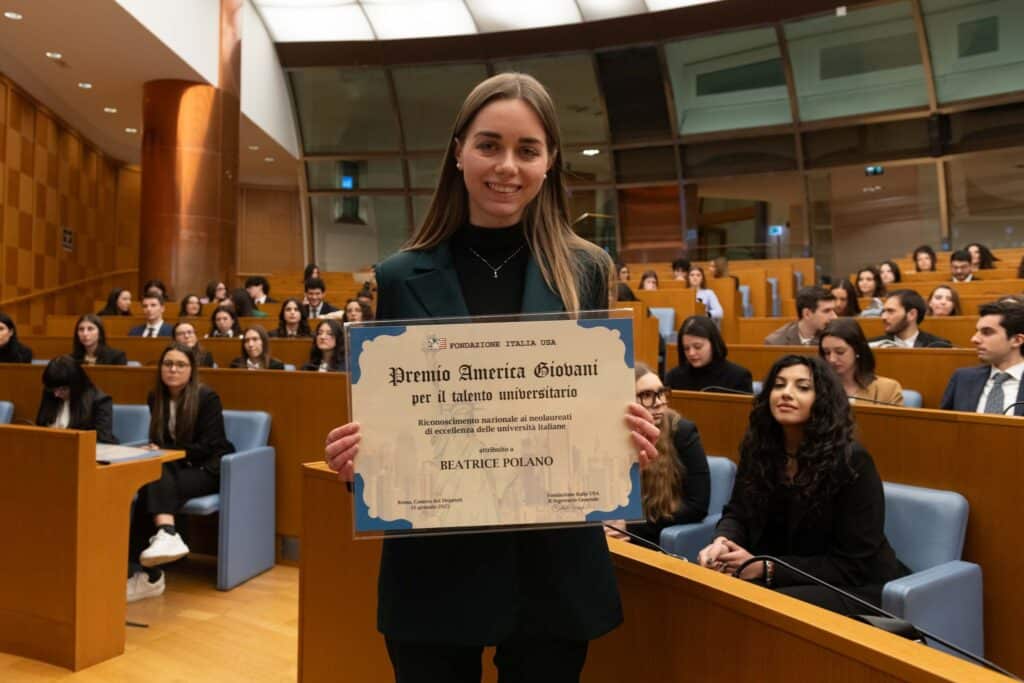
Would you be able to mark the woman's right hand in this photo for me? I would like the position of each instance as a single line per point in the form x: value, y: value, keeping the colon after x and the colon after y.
x: 341, y: 450
x: 709, y: 556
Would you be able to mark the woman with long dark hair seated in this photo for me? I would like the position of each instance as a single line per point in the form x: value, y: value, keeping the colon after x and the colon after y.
x: 184, y: 333
x: 982, y: 257
x: 71, y: 401
x: 256, y: 351
x: 846, y: 299
x: 11, y: 349
x: 845, y: 348
x: 328, y: 352
x: 119, y: 302
x: 702, y: 360
x: 89, y: 345
x: 806, y: 493
x: 677, y: 485
x: 191, y: 306
x: 290, y: 321
x: 184, y: 415
x: 924, y: 259
x: 224, y: 324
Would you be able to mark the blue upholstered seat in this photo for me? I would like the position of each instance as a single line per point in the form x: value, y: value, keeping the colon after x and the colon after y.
x: 6, y: 412
x: 912, y: 399
x: 687, y: 540
x: 131, y: 424
x: 666, y: 323
x: 746, y: 308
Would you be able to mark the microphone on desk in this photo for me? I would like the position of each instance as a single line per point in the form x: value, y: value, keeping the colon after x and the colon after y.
x: 1012, y: 406
x: 643, y: 541
x: 891, y: 623
x: 726, y: 390
x: 939, y: 345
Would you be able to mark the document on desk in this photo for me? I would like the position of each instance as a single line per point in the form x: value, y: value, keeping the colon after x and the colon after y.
x: 493, y: 423
x: 108, y: 454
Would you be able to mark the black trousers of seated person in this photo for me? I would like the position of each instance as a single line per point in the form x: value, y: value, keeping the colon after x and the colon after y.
x: 519, y: 660
x: 177, y: 484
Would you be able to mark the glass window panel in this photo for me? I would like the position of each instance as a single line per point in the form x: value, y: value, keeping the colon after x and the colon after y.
x: 975, y: 47
x: 366, y: 174
x: 866, y: 61
x: 634, y: 90
x: 502, y: 15
x: 344, y: 110
x: 645, y: 165
x: 586, y: 165
x: 989, y: 128
x: 419, y: 18
x: 429, y: 98
x: 355, y: 232
x: 728, y: 81
x: 986, y: 199
x: 573, y: 85
x: 738, y: 156
x: 868, y: 143
x: 424, y: 171
x: 594, y: 216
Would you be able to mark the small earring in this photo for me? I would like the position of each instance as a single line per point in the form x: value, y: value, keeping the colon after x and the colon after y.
x: 458, y: 165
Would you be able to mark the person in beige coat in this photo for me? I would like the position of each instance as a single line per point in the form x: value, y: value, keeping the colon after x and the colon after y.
x: 844, y: 347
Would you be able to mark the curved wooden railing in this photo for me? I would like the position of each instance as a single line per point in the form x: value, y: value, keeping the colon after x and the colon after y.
x: 29, y: 311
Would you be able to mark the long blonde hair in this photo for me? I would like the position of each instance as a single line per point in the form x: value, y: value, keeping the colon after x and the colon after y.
x: 562, y: 255
x: 661, y: 481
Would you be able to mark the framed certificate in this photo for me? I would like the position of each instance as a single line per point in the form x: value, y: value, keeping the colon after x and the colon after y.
x: 485, y: 424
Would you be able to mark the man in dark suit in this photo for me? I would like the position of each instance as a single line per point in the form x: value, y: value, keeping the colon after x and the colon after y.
x: 317, y: 307
x: 902, y: 312
x: 996, y: 386
x: 960, y: 266
x: 153, y: 310
x: 258, y: 289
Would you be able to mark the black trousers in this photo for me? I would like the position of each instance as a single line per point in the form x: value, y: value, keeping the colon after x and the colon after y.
x: 176, y: 485
x: 519, y: 660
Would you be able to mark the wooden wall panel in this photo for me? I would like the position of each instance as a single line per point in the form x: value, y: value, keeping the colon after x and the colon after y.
x: 269, y: 230
x: 650, y: 216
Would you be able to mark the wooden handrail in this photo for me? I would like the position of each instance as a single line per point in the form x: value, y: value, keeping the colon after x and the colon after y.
x: 70, y: 285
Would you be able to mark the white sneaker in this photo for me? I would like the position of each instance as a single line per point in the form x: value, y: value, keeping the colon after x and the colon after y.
x: 163, y: 548
x: 140, y: 587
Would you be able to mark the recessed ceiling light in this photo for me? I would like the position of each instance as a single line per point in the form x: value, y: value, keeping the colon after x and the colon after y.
x: 590, y: 152
x: 54, y: 55
x: 131, y: 131
x: 85, y: 86
x: 13, y: 16
x: 110, y: 110
x: 269, y: 160
x: 254, y: 148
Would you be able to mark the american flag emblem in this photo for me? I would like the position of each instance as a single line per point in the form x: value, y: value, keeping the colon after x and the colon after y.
x: 435, y: 343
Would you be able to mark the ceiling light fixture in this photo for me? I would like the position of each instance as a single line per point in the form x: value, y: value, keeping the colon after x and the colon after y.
x: 131, y: 131
x: 269, y: 160
x: 85, y: 85
x: 54, y: 55
x: 254, y: 148
x: 110, y: 110
x: 590, y: 152
x: 13, y: 16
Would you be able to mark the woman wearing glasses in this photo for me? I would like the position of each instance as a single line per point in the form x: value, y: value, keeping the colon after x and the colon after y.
x: 677, y: 485
x: 184, y: 415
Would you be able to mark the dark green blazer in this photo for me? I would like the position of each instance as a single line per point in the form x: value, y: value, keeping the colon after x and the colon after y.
x: 481, y: 589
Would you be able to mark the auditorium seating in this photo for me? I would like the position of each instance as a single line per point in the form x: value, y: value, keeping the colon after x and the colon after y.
x: 666, y: 323
x: 912, y: 399
x: 131, y: 424
x: 6, y: 412
x: 686, y: 540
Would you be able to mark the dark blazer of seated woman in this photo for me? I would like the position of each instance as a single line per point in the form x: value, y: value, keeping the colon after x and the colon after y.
x: 208, y: 442
x: 11, y: 349
x: 242, y: 363
x: 67, y: 387
x: 702, y: 361
x: 91, y: 334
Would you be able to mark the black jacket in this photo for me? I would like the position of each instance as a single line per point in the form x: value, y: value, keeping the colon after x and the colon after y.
x: 273, y: 364
x: 15, y: 352
x: 843, y: 542
x: 208, y: 442
x: 98, y: 414
x: 924, y: 340
x: 108, y: 356
x: 723, y: 374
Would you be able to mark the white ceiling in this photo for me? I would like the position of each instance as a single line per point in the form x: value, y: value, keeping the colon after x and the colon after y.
x: 104, y: 45
x: 337, y: 20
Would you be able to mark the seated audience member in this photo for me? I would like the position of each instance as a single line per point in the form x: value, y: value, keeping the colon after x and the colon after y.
x: 719, y: 268
x: 356, y: 312
x: 184, y: 415
x: 624, y: 293
x: 242, y: 305
x: 844, y: 348
x: 996, y: 385
x: 328, y: 352
x: 12, y: 350
x: 847, y: 303
x: 676, y: 485
x: 649, y: 280
x: 186, y: 335
x: 680, y: 269
x: 702, y: 361
x: 623, y: 270
x: 89, y: 347
x: 695, y: 280
x: 944, y: 301
x: 224, y: 323
x: 119, y: 302
x: 290, y: 322
x: 256, y: 351
x: 960, y: 266
x: 924, y: 259
x: 71, y: 401
x: 982, y: 257
x: 191, y: 307
x: 316, y: 306
x: 153, y: 311
x: 155, y: 286
x: 869, y: 283
x: 365, y: 297
x: 815, y: 308
x: 808, y: 493
x: 311, y: 270
x: 258, y: 289
x: 903, y: 311
x: 216, y: 292
x: 889, y: 273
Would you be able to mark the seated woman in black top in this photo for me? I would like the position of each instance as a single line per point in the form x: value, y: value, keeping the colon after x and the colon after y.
x: 184, y: 415
x: 119, y: 302
x: 89, y: 347
x: 224, y: 323
x: 806, y: 493
x: 328, y: 352
x: 191, y: 306
x: 71, y: 401
x: 676, y: 485
x: 702, y: 361
x: 256, y: 351
x: 290, y: 321
x: 12, y: 350
x: 185, y: 334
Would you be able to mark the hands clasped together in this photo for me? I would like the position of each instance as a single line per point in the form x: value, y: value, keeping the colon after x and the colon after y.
x: 725, y: 556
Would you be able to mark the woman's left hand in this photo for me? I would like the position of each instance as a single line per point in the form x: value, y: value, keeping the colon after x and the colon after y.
x: 643, y: 432
x: 612, y: 529
x: 737, y: 555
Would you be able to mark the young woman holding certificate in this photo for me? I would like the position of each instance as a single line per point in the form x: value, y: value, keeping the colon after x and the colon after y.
x: 497, y: 239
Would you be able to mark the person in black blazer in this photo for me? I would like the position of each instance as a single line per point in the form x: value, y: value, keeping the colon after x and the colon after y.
x: 256, y: 351
x: 702, y: 361
x: 902, y: 312
x: 540, y: 596
x: 186, y: 335
x: 119, y: 302
x: 807, y: 493
x: 315, y: 304
x: 327, y: 353
x: 89, y: 346
x: 999, y: 337
x: 71, y: 401
x: 184, y: 415
x: 258, y: 289
x: 11, y: 349
x: 153, y: 310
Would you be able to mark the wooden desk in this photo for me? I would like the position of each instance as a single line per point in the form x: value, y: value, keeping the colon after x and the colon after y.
x: 120, y: 325
x: 64, y: 523
x: 979, y: 456
x: 682, y: 622
x: 957, y: 329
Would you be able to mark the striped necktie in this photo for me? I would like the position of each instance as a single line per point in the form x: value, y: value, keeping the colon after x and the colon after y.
x: 994, y: 402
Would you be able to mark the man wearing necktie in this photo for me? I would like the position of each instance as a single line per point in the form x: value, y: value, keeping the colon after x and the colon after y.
x: 153, y: 310
x: 994, y: 388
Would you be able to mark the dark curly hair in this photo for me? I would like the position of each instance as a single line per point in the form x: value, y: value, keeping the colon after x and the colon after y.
x: 823, y: 457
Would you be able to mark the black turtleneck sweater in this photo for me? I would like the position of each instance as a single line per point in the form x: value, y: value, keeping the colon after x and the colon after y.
x: 721, y: 374
x: 485, y: 294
